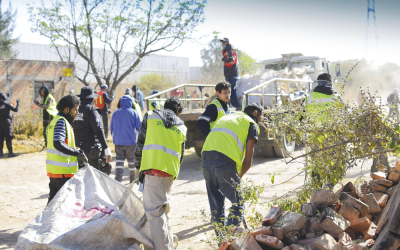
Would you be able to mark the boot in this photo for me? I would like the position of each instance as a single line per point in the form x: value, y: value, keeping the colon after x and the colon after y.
x: 12, y: 155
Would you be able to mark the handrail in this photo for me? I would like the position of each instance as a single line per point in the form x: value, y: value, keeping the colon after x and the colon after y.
x: 272, y: 80
x: 152, y: 97
x: 248, y: 93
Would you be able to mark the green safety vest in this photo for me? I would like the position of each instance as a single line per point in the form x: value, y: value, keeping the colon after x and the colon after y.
x: 162, y: 147
x: 158, y: 105
x: 221, y: 112
x: 318, y: 102
x: 229, y: 137
x: 52, y: 109
x: 138, y: 109
x: 56, y: 161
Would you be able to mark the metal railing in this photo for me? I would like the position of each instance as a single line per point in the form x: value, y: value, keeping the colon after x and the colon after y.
x: 186, y: 100
x: 248, y: 93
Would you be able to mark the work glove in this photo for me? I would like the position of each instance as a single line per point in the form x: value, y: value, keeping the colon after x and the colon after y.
x: 82, y: 157
x: 221, y: 57
x: 36, y: 102
x: 113, y: 96
x: 17, y: 101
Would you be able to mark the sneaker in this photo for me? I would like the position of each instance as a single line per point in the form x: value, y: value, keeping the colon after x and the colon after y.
x: 12, y: 155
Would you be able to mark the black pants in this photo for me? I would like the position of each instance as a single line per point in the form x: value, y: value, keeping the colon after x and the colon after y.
x: 93, y: 159
x: 6, y: 132
x: 45, y: 124
x: 105, y: 124
x: 56, y: 184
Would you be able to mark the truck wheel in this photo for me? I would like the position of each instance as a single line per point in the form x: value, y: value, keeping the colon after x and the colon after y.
x: 285, y: 144
x: 198, y: 151
x: 268, y: 151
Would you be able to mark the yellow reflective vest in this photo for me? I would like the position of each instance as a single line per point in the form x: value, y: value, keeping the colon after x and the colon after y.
x: 52, y: 109
x: 221, y: 112
x: 159, y: 105
x: 58, y: 163
x: 229, y: 137
x: 163, y: 146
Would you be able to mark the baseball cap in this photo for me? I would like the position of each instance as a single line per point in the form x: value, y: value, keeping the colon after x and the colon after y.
x: 224, y: 39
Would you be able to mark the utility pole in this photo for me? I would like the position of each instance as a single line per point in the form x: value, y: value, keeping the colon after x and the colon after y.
x: 370, y: 9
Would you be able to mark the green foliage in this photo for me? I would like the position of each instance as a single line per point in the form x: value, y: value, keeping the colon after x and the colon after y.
x: 150, y: 82
x: 245, y: 62
x: 7, y: 26
x: 337, y: 138
x: 28, y: 123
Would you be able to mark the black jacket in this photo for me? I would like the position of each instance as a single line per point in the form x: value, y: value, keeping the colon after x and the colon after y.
x: 233, y: 70
x: 6, y: 108
x: 88, y: 124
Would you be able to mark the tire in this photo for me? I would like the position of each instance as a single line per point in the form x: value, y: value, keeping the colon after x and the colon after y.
x: 198, y: 151
x: 268, y: 151
x: 289, y: 146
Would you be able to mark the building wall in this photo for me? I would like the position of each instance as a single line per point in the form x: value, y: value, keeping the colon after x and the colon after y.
x: 177, y: 68
x: 18, y: 77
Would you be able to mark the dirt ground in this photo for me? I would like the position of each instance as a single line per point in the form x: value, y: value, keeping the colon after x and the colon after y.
x: 24, y: 192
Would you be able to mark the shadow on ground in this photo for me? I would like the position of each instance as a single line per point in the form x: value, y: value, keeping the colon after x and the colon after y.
x: 8, y: 238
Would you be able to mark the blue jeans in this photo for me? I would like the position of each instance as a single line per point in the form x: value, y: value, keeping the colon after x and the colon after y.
x: 218, y: 176
x: 232, y: 81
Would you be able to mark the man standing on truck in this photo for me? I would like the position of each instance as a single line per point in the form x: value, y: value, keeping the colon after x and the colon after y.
x: 227, y: 155
x: 216, y: 109
x: 231, y: 69
x: 159, y: 155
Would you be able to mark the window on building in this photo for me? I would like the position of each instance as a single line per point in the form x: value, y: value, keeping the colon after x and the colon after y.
x: 38, y: 84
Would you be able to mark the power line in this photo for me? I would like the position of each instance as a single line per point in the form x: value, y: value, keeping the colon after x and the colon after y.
x: 370, y: 9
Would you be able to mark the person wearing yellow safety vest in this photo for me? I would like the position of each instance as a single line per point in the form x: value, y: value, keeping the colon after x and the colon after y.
x: 62, y: 155
x: 156, y: 104
x: 158, y: 156
x: 227, y: 155
x: 393, y: 101
x: 49, y: 108
x: 320, y: 99
x: 216, y: 109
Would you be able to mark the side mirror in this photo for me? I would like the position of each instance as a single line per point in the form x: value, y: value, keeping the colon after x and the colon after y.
x: 336, y: 80
x: 337, y: 69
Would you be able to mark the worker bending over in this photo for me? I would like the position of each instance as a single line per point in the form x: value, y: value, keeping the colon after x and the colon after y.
x: 227, y: 155
x: 62, y: 156
x: 216, y: 109
x: 159, y: 155
x: 6, y: 130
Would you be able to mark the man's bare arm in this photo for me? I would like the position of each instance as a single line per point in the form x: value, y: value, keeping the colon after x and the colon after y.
x: 248, y: 157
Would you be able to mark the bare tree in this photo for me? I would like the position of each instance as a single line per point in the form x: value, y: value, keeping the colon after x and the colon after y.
x: 112, y: 37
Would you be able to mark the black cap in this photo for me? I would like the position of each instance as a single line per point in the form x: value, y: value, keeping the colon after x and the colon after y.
x: 87, y: 92
x: 3, y: 97
x: 224, y: 40
x: 255, y: 106
x: 325, y: 77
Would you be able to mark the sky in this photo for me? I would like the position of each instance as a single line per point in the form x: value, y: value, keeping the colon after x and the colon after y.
x: 264, y: 29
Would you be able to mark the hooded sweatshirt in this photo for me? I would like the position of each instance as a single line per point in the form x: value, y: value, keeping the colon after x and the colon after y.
x: 6, y: 108
x: 169, y: 119
x: 124, y: 123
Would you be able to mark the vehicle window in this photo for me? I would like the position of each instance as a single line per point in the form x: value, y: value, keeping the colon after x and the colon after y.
x: 276, y: 66
x: 323, y: 65
x: 310, y: 65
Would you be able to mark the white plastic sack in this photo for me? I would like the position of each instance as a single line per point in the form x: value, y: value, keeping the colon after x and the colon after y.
x: 91, y: 211
x: 247, y: 82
